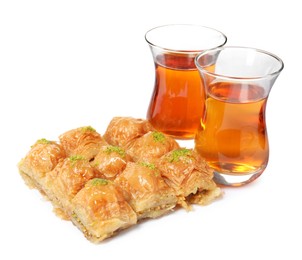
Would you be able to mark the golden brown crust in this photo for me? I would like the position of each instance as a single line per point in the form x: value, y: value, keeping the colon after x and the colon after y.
x: 151, y: 146
x: 205, y: 195
x: 67, y: 179
x: 43, y: 157
x: 105, y: 187
x: 100, y: 210
x: 145, y: 189
x: 121, y: 131
x: 110, y: 161
x: 187, y: 173
x: 84, y: 141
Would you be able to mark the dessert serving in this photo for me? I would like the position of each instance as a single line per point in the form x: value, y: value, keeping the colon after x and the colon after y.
x: 106, y: 183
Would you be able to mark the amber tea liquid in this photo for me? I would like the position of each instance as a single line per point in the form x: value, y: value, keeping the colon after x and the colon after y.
x: 177, y: 103
x: 232, y: 135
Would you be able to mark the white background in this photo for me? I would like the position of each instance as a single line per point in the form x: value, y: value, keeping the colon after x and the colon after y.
x: 66, y: 64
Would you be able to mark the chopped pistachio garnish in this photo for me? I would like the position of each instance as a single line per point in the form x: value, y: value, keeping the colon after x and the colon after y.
x: 43, y: 141
x: 99, y: 181
x: 158, y: 137
x: 74, y: 158
x: 152, y: 167
x: 148, y: 165
x: 116, y: 149
x: 88, y: 128
x: 176, y: 154
x: 95, y: 164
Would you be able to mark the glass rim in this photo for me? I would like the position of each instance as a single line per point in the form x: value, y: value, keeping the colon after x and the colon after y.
x: 203, y: 70
x: 184, y: 51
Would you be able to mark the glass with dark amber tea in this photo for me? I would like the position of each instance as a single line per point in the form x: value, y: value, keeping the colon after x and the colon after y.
x: 177, y: 103
x: 232, y: 134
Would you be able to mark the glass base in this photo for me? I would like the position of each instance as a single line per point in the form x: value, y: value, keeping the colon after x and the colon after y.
x: 235, y: 180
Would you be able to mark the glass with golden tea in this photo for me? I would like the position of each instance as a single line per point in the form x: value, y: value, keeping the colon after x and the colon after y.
x: 232, y: 134
x: 177, y: 105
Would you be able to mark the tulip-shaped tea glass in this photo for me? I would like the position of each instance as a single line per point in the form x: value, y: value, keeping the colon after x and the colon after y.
x: 232, y: 134
x: 177, y: 103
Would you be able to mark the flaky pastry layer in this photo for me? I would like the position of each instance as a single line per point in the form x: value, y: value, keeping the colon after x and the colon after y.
x: 104, y: 184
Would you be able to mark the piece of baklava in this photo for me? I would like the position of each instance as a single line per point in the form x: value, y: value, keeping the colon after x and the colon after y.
x: 121, y: 131
x: 100, y: 210
x: 110, y: 161
x: 84, y: 141
x: 43, y: 157
x: 145, y: 190
x: 66, y: 180
x: 151, y: 146
x: 189, y: 176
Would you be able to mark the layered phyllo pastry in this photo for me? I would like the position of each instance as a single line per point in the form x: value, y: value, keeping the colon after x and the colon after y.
x: 100, y: 210
x: 151, y: 146
x: 104, y: 184
x: 145, y: 190
x: 122, y: 131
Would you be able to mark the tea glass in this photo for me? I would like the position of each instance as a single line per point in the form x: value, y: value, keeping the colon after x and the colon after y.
x: 177, y: 102
x: 232, y: 135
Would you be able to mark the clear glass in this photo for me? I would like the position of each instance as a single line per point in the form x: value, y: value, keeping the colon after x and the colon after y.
x: 232, y: 134
x: 177, y: 103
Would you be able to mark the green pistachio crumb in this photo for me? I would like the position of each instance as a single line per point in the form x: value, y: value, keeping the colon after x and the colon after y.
x: 152, y: 167
x: 148, y: 165
x: 158, y: 137
x: 99, y: 181
x: 88, y: 128
x: 74, y: 158
x: 176, y: 154
x: 116, y: 149
x: 95, y: 164
x: 43, y: 141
